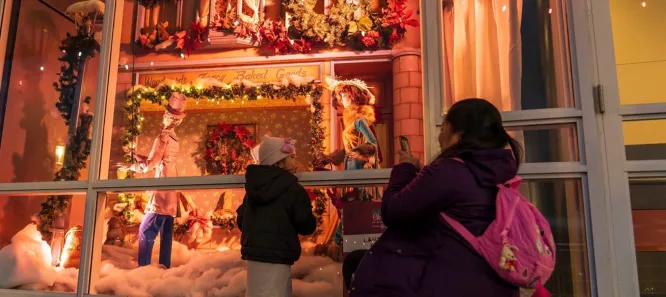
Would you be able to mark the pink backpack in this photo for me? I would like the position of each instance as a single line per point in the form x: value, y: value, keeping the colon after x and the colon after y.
x: 519, y: 244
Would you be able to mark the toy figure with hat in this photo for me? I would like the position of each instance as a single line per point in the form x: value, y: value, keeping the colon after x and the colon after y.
x: 163, y: 206
x: 360, y: 148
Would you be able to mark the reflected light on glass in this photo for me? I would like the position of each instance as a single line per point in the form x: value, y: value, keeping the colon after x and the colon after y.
x: 59, y: 154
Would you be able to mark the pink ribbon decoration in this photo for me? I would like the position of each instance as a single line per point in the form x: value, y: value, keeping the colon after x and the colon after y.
x: 288, y: 146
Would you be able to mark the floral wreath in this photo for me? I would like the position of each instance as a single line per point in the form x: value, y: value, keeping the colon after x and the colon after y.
x: 228, y: 148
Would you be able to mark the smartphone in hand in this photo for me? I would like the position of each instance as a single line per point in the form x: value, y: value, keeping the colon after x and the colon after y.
x: 404, y: 145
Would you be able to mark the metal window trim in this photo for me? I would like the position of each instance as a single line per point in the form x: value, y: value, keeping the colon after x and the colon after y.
x: 650, y: 109
x: 645, y: 166
x: 44, y: 187
x: 621, y: 256
x: 26, y: 293
x: 432, y: 72
x: 604, y: 268
x: 540, y: 114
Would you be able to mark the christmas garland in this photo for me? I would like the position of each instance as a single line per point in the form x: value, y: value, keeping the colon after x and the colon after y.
x: 76, y: 49
x: 353, y: 25
x: 228, y: 149
x: 217, y: 91
x: 320, y: 206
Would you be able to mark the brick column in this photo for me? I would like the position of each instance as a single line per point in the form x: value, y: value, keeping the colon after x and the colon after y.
x: 408, y: 102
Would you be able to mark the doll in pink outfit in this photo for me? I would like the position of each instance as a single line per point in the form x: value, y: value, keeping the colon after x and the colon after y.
x: 163, y: 206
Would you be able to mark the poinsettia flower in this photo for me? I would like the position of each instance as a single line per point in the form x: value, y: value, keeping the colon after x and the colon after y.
x: 197, y: 29
x: 370, y: 39
x: 394, y: 37
x: 311, y: 194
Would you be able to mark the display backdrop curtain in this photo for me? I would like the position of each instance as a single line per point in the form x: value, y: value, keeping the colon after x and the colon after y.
x: 482, y: 48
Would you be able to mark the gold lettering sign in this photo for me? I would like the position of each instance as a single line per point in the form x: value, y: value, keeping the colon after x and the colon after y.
x: 256, y: 75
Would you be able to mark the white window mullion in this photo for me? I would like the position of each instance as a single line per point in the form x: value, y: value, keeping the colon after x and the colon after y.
x: 110, y: 48
x: 43, y: 187
x: 431, y: 48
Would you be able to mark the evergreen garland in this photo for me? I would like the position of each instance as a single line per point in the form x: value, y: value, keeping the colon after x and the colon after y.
x: 76, y: 49
x: 312, y: 91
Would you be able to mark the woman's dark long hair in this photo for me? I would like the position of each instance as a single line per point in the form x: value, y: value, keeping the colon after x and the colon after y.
x: 479, y: 125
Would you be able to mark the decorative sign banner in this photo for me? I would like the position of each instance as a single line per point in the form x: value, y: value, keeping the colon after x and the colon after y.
x: 362, y: 223
x: 256, y: 75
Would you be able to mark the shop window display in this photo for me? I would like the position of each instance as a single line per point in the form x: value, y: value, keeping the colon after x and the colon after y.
x: 513, y: 53
x: 257, y: 74
x: 48, y: 89
x: 205, y: 256
x: 32, y: 259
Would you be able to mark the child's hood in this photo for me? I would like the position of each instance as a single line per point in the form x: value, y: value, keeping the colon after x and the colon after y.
x: 264, y: 184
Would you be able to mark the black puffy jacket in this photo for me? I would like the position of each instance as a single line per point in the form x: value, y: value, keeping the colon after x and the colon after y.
x: 275, y: 210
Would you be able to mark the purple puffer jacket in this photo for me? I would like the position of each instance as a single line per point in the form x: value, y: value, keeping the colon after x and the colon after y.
x: 419, y: 254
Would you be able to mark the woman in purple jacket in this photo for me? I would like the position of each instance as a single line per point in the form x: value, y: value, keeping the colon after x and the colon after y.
x: 421, y: 255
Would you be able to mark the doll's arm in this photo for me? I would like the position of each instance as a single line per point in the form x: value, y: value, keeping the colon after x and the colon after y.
x: 157, y: 153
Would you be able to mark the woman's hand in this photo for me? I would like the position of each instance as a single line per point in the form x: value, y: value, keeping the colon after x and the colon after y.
x: 404, y: 157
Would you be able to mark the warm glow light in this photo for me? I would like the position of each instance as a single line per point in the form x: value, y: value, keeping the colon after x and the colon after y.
x: 41, y: 68
x: 60, y: 154
x: 182, y: 55
x: 503, y: 8
x: 643, y: 4
x: 152, y: 63
x: 550, y: 10
x: 126, y: 67
x: 80, y: 53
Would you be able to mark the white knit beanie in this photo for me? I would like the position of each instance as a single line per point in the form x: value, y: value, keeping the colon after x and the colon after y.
x: 272, y: 150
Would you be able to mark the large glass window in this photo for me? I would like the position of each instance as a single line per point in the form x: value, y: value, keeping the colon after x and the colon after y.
x: 638, y: 44
x: 513, y: 53
x: 343, y: 93
x: 194, y: 85
x: 648, y: 212
x: 49, y: 80
x: 40, y: 250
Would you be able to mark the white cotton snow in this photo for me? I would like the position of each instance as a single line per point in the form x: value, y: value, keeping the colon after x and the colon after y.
x: 27, y: 260
x: 214, y: 273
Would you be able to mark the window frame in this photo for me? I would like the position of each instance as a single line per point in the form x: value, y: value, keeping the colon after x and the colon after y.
x: 592, y: 169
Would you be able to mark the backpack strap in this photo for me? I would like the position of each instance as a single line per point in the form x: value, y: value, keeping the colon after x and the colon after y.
x: 458, y: 227
x: 512, y: 183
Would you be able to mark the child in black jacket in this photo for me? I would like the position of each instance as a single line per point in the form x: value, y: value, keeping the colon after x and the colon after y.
x: 275, y: 210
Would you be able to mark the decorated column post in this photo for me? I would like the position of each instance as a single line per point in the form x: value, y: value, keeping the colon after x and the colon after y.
x: 408, y: 101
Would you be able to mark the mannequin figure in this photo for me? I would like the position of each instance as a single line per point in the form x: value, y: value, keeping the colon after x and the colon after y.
x: 163, y: 206
x: 360, y: 150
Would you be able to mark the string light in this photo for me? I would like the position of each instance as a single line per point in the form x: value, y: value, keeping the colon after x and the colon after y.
x: 550, y: 10
x: 80, y: 53
x: 152, y: 63
x: 643, y: 4
x: 41, y: 68
x: 503, y: 8
x: 126, y: 67
x: 182, y: 55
